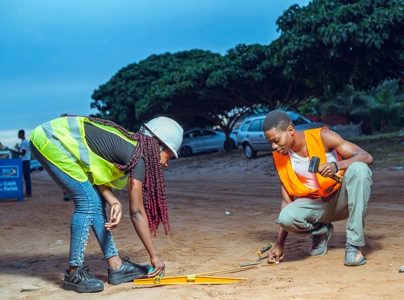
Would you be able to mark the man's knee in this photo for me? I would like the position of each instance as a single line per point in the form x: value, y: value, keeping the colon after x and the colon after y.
x: 358, y: 170
x: 286, y: 218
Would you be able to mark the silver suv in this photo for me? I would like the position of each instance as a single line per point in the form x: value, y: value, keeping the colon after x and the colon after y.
x: 251, y: 135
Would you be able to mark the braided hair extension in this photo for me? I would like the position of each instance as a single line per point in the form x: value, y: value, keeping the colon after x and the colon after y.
x: 154, y: 194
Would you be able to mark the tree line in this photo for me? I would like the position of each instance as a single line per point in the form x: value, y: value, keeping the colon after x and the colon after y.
x: 332, y: 56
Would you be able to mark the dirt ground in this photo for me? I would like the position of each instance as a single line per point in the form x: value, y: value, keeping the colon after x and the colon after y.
x: 222, y: 209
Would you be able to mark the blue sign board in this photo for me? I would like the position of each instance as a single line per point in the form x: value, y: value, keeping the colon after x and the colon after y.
x: 11, y: 179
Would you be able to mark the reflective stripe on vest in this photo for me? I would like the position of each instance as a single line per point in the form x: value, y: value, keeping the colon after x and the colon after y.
x: 47, y: 128
x: 62, y: 142
x: 75, y: 133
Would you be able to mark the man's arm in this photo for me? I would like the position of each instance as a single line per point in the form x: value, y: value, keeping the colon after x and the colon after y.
x: 350, y: 151
x: 286, y: 199
x: 275, y: 255
x: 23, y: 148
x: 22, y: 152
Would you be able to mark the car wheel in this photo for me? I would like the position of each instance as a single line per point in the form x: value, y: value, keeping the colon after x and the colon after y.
x: 229, y: 145
x: 186, y: 151
x: 249, y: 151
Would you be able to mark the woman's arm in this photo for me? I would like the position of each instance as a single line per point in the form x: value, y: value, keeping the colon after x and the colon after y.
x: 141, y: 224
x: 116, y: 206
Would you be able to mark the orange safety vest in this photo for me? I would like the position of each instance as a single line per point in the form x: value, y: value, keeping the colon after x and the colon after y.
x: 289, y: 179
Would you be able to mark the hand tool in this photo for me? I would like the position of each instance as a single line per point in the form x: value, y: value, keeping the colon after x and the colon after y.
x: 264, y: 249
x: 259, y: 252
x: 313, y: 168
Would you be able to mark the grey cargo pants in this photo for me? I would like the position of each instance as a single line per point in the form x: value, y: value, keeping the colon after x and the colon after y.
x: 306, y: 216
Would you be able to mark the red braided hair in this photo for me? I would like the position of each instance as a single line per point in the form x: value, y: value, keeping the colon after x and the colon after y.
x: 154, y: 192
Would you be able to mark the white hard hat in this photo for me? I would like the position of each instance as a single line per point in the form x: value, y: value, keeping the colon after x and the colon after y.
x: 167, y: 131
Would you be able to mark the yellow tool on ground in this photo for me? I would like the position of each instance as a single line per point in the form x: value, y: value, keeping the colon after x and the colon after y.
x: 187, y: 279
x: 264, y: 249
x: 192, y: 279
x: 259, y: 252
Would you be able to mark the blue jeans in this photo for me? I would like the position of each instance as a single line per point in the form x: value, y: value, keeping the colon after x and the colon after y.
x: 89, y: 212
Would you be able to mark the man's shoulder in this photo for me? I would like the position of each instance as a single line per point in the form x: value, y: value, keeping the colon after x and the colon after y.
x: 24, y: 144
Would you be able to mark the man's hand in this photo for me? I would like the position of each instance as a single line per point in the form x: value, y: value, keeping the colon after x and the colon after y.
x: 275, y: 255
x: 22, y: 152
x: 327, y: 169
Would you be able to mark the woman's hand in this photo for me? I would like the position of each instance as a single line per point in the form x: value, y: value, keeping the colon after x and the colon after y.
x: 159, y: 267
x: 116, y: 206
x: 116, y: 215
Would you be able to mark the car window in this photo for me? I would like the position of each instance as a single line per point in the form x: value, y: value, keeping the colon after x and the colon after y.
x: 298, y: 120
x: 207, y: 132
x: 192, y: 134
x: 245, y: 125
x: 256, y: 125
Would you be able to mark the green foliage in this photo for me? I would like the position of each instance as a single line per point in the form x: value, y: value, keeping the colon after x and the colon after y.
x: 379, y: 109
x: 312, y: 106
x: 122, y: 99
x: 386, y: 149
x: 250, y: 75
x: 328, y: 50
x: 331, y: 43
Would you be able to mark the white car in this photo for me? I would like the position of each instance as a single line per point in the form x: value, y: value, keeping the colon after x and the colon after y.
x: 203, y: 140
x: 251, y: 134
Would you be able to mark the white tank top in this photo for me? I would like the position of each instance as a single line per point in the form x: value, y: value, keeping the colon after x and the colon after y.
x: 301, y: 167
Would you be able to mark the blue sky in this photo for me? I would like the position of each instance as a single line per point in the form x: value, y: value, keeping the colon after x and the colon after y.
x: 54, y: 54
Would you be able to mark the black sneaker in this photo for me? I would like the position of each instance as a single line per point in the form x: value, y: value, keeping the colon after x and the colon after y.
x: 82, y: 281
x: 127, y: 272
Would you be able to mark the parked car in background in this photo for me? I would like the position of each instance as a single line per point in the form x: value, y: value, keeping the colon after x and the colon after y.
x: 35, y: 165
x: 203, y: 140
x: 251, y: 135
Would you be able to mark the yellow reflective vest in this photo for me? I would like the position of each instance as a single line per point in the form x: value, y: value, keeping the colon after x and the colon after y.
x: 289, y: 179
x: 62, y: 141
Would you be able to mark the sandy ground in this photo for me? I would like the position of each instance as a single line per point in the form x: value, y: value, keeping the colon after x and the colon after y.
x: 222, y: 209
